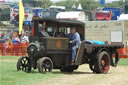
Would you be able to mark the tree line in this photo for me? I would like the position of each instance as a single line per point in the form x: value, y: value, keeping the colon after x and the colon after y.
x: 86, y: 4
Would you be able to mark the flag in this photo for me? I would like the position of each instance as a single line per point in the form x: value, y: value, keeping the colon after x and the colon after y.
x: 102, y: 2
x: 21, y: 16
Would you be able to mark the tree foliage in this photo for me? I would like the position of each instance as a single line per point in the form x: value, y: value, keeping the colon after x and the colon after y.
x: 117, y: 4
x: 86, y: 4
x: 89, y: 4
x: 67, y: 3
x: 46, y: 3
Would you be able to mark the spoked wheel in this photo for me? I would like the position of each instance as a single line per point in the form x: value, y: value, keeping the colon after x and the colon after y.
x: 24, y: 64
x: 45, y: 64
x: 103, y: 63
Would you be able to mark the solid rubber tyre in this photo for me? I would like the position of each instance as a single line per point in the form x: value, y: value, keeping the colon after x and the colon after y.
x: 45, y: 64
x: 102, y: 64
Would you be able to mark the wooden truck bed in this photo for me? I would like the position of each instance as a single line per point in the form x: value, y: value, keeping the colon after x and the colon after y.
x: 104, y: 46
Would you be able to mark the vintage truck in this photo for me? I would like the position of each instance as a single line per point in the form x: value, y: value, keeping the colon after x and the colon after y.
x: 53, y: 51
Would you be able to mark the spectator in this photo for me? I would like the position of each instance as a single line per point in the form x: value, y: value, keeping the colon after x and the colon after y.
x: 9, y: 47
x: 16, y: 39
x: 27, y: 35
x: 3, y: 41
x: 24, y: 38
x: 24, y: 43
x: 11, y: 36
x: 16, y: 42
x: 3, y: 38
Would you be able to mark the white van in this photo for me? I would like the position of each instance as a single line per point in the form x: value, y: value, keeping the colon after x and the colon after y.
x: 75, y: 15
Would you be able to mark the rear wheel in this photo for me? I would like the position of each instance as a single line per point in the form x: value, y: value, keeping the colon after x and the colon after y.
x: 102, y: 64
x: 45, y: 64
x: 24, y: 64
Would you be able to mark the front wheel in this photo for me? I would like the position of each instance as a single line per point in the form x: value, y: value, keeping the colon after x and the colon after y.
x: 24, y: 64
x: 45, y: 64
x: 102, y: 64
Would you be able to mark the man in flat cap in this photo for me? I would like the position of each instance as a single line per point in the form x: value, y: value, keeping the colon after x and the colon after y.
x: 74, y: 39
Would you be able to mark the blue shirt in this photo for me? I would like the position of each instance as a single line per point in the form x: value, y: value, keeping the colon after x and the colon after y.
x: 75, y: 38
x: 4, y: 39
x: 15, y: 42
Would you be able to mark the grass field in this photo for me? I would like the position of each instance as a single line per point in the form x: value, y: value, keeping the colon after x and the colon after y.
x: 123, y: 62
x: 10, y: 76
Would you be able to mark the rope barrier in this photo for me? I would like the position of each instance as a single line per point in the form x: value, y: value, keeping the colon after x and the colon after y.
x: 123, y: 52
x: 10, y: 49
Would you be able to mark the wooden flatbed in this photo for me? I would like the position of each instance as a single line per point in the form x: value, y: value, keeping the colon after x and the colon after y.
x: 103, y: 46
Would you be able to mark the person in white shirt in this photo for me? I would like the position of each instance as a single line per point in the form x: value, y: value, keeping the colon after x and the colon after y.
x: 24, y: 38
x: 27, y: 35
x: 24, y: 42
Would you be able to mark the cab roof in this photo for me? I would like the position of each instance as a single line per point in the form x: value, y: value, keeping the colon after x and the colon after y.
x: 62, y: 22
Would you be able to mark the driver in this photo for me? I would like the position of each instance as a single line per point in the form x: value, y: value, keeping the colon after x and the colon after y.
x: 42, y: 30
x: 75, y: 40
x: 44, y: 33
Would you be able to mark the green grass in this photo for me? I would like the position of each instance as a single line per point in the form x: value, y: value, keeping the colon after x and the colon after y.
x: 123, y: 61
x: 10, y: 76
x: 9, y: 57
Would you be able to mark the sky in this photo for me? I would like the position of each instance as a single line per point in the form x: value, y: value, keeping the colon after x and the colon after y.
x: 107, y: 1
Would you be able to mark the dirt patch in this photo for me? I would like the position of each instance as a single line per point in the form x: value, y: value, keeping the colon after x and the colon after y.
x: 83, y: 76
x: 9, y: 60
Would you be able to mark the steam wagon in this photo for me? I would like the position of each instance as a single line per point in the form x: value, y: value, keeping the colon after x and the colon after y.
x: 49, y: 49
